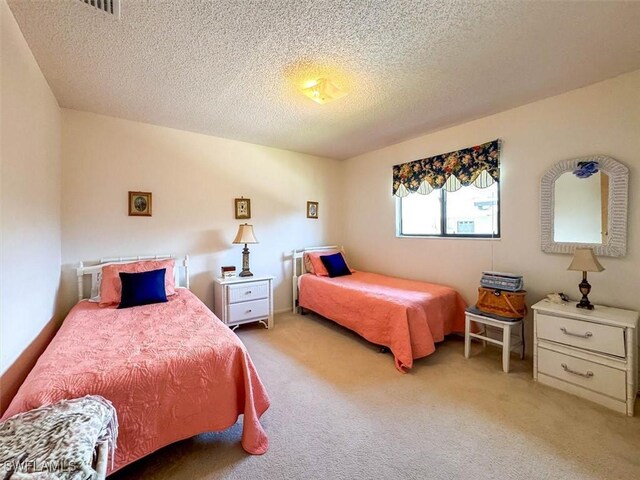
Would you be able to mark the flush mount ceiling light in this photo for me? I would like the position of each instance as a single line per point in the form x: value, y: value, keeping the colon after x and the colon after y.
x: 322, y: 90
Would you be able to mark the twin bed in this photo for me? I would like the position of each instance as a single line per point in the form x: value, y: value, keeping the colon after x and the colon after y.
x: 172, y: 370
x: 408, y: 317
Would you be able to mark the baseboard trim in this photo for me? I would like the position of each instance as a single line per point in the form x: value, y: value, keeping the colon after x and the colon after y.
x: 14, y: 376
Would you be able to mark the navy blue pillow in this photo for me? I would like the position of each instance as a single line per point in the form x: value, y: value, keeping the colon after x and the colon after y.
x: 335, y: 265
x: 142, y: 288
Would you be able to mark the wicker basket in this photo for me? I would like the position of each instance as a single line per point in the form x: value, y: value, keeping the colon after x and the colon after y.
x: 504, y: 304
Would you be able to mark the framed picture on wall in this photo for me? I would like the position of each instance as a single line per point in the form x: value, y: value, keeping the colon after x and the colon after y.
x: 312, y: 209
x: 243, y: 208
x: 139, y: 204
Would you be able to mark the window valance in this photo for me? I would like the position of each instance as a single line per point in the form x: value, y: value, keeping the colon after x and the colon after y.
x: 477, y: 165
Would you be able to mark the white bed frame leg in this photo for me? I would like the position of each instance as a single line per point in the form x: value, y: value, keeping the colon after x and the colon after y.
x: 186, y: 271
x: 80, y: 274
x: 294, y: 283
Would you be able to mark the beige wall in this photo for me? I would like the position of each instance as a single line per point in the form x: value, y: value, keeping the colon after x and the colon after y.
x: 30, y: 200
x: 194, y: 179
x: 600, y: 119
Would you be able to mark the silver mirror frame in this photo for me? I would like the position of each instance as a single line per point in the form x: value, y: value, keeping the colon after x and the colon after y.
x: 618, y: 200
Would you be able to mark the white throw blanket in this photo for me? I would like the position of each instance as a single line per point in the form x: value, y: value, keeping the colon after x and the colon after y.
x: 58, y: 441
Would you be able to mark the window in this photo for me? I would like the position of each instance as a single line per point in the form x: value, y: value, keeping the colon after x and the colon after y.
x: 468, y: 212
x: 453, y: 194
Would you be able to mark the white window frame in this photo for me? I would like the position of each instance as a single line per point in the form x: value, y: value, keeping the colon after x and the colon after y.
x: 443, y: 220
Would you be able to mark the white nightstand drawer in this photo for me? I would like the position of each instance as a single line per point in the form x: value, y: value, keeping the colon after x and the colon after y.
x: 582, y: 334
x: 248, y: 291
x: 602, y: 341
x: 239, y: 312
x: 594, y: 376
x: 244, y: 300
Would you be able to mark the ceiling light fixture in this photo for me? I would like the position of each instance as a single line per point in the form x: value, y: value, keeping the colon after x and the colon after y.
x: 322, y: 90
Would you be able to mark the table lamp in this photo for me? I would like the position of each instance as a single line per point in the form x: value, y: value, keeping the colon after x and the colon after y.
x: 245, y: 235
x: 585, y: 261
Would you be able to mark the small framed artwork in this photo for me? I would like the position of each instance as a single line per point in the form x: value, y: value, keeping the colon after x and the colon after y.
x: 140, y: 204
x: 243, y: 208
x: 312, y: 209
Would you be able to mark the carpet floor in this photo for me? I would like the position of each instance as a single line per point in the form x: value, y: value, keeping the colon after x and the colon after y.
x: 340, y: 410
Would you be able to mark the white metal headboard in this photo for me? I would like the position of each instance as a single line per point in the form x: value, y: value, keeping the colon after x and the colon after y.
x: 298, y: 257
x: 96, y: 270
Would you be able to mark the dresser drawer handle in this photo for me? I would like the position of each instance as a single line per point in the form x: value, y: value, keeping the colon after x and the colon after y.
x: 589, y: 373
x: 249, y: 311
x: 581, y: 335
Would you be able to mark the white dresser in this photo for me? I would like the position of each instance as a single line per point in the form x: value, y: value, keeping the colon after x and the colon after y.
x: 590, y: 353
x: 244, y: 300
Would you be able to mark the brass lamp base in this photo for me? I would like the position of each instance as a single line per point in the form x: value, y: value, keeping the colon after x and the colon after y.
x: 245, y: 263
x: 585, y: 289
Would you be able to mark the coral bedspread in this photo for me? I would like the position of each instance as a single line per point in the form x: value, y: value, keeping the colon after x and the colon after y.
x: 172, y: 370
x: 407, y: 316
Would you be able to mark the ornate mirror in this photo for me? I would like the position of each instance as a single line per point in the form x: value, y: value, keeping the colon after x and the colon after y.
x: 583, y: 203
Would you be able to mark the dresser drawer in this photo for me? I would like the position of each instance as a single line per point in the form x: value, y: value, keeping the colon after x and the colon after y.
x: 239, y: 312
x: 594, y: 376
x: 248, y: 291
x: 582, y: 334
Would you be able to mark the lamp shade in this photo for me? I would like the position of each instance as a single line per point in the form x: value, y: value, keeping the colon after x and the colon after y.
x: 585, y: 261
x: 245, y: 234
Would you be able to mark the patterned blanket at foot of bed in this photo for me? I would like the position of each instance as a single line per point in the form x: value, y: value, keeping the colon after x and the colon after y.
x: 58, y: 441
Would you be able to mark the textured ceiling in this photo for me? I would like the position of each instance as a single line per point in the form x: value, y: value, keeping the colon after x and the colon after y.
x: 232, y: 68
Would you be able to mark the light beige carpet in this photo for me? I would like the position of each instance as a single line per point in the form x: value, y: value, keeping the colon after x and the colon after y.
x: 341, y: 410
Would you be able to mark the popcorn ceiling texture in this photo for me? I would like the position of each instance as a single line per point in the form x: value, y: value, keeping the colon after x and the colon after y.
x: 232, y: 68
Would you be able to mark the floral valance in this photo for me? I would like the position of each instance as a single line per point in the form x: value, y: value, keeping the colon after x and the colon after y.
x: 477, y: 165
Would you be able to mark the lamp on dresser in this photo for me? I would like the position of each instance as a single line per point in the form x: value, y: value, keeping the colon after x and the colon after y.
x: 585, y: 261
x: 245, y: 235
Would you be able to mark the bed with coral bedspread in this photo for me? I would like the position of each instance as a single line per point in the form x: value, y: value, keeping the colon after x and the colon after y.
x: 172, y: 370
x: 408, y: 317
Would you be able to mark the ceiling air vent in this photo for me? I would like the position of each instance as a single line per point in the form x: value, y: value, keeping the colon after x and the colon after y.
x: 108, y: 6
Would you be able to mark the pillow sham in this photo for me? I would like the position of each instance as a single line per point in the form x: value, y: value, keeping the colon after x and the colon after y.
x: 142, y: 288
x: 308, y: 266
x: 111, y: 287
x: 335, y: 265
x: 314, y: 265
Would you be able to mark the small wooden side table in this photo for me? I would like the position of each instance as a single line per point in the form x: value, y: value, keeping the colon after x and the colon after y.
x: 507, y: 328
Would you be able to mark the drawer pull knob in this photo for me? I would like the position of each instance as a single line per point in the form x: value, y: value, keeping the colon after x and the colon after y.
x: 581, y: 335
x: 589, y: 373
x: 249, y: 311
x: 248, y: 292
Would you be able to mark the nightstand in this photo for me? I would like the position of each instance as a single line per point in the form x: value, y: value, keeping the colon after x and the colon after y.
x: 589, y: 353
x: 244, y: 300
